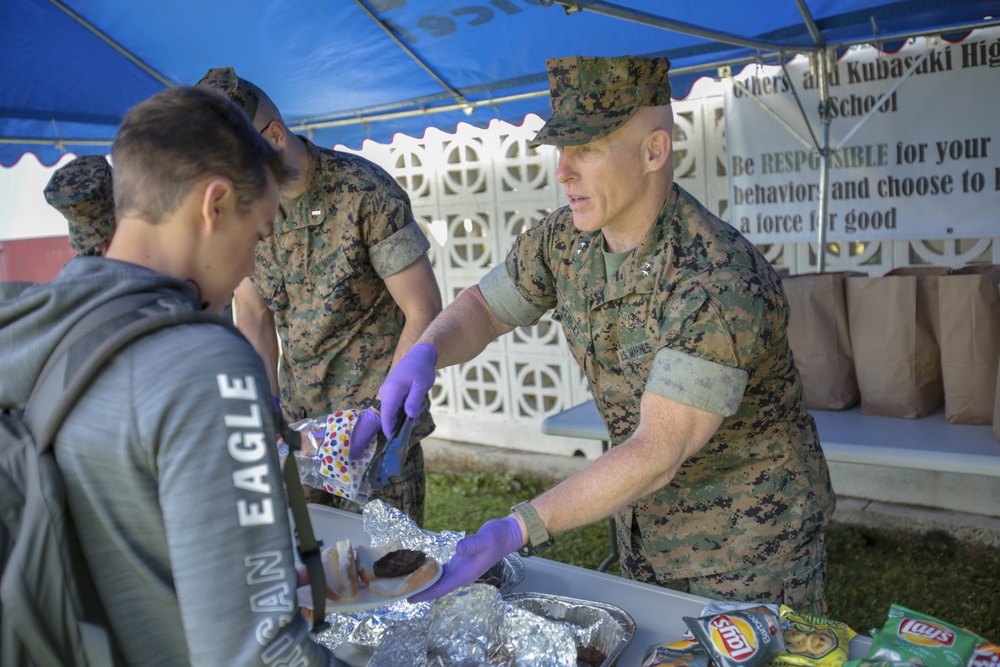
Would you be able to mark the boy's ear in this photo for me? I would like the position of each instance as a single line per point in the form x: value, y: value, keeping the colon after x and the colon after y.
x: 217, y: 198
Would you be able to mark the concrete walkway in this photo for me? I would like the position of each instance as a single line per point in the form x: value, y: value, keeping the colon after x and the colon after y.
x: 459, y: 457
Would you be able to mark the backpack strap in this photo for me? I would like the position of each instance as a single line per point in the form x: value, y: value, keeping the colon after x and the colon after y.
x: 309, y: 546
x: 93, y: 340
x: 89, y: 344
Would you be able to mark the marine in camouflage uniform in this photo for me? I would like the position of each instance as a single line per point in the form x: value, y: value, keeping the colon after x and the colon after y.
x: 322, y: 275
x: 82, y: 191
x: 696, y: 314
x: 680, y: 326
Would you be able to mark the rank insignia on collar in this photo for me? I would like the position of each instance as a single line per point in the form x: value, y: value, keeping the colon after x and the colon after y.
x: 583, y: 246
x: 646, y: 268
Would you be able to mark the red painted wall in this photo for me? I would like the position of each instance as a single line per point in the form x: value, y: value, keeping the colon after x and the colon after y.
x: 37, y: 260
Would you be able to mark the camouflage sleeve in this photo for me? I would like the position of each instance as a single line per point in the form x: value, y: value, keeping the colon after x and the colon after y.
x: 708, y: 336
x: 523, y: 288
x: 505, y: 301
x: 697, y: 382
x: 399, y: 250
x: 383, y: 211
x: 529, y: 270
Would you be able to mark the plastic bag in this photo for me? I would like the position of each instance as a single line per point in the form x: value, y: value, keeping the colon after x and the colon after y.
x: 323, y: 460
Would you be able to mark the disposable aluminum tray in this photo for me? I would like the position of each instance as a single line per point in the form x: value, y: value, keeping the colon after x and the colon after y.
x: 506, y: 574
x: 615, y: 629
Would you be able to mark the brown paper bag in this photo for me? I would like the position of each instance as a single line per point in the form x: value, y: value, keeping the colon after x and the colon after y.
x: 996, y: 410
x: 893, y: 320
x: 969, y: 307
x: 820, y: 340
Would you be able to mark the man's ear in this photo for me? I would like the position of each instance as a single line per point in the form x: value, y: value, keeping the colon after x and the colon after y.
x: 217, y: 200
x: 275, y: 134
x: 657, y: 149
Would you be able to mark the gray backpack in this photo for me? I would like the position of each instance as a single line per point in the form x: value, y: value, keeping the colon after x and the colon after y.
x: 49, y: 610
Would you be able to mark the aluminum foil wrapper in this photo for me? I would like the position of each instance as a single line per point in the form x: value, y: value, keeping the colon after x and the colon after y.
x: 384, y: 523
x: 368, y: 628
x: 598, y: 629
x: 476, y: 626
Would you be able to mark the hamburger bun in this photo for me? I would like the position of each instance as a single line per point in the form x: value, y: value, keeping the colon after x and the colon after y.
x: 307, y: 613
x: 340, y: 566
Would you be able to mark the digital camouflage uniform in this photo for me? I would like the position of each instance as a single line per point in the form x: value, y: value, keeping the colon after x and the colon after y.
x: 322, y: 275
x: 696, y: 314
x: 693, y: 313
x: 82, y: 191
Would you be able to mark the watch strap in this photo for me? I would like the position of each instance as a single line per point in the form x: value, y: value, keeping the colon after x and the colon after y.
x: 538, y: 536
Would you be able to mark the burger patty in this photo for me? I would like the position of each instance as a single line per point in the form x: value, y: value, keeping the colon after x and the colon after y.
x: 399, y: 563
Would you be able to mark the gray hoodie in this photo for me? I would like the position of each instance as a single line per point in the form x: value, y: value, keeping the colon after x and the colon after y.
x: 172, y: 477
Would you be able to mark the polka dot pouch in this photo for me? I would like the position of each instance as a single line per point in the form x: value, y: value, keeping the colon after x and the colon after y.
x: 323, y: 462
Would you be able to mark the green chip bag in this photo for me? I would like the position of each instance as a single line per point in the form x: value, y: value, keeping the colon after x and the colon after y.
x: 918, y: 638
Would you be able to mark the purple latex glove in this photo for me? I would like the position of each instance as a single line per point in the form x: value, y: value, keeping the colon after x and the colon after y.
x: 276, y: 402
x: 408, y: 381
x: 474, y: 555
x: 363, y: 434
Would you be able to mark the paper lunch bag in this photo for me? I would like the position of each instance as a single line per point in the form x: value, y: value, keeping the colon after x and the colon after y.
x: 820, y: 340
x: 969, y: 308
x: 893, y: 320
x: 996, y: 410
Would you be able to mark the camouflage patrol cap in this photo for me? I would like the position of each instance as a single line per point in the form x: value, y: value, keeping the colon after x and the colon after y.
x: 81, y: 191
x: 223, y: 79
x: 592, y: 97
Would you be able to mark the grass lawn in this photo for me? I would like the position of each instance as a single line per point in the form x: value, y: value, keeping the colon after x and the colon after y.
x: 867, y: 571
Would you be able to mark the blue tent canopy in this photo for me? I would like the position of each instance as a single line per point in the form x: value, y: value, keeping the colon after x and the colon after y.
x: 344, y: 70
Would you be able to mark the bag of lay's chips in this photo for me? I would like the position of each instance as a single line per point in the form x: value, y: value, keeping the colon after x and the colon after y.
x: 985, y: 655
x: 909, y: 636
x: 811, y: 641
x: 739, y: 638
x: 686, y: 652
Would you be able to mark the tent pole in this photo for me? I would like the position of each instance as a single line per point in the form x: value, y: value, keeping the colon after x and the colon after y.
x: 645, y: 18
x: 823, y: 61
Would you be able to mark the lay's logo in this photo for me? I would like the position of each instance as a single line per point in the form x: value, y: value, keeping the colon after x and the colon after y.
x: 925, y: 633
x: 734, y: 636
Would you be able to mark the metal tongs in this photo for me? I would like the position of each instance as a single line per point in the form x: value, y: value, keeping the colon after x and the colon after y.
x: 388, y: 459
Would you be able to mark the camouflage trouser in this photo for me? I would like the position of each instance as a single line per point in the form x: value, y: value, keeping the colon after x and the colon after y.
x: 406, y: 492
x: 796, y: 579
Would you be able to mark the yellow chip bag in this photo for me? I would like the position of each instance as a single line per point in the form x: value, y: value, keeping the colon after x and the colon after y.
x: 811, y: 641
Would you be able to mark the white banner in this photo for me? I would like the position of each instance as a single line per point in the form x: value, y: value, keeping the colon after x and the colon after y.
x: 926, y: 164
